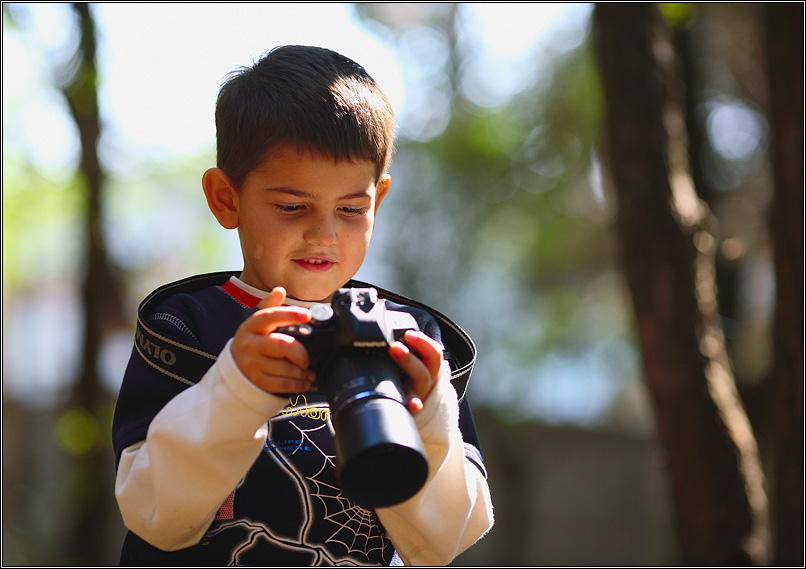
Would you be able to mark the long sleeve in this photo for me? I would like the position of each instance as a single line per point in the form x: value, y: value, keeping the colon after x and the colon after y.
x: 453, y: 509
x: 198, y: 448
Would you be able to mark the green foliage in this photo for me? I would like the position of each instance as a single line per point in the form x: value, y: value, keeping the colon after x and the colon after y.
x: 678, y: 14
x: 80, y: 432
x: 77, y: 431
x: 154, y: 204
x: 41, y: 226
x: 507, y: 228
x: 521, y: 174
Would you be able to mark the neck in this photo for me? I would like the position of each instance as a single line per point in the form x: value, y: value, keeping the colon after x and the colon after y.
x: 263, y: 294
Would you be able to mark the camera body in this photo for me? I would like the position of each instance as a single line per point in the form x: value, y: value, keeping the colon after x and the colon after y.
x: 380, y: 457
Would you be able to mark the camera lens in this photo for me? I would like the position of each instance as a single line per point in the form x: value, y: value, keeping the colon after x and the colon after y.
x: 381, y: 460
x: 381, y: 463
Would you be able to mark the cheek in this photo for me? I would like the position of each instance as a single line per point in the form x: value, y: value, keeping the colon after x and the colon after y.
x: 260, y: 237
x: 356, y: 240
x: 364, y: 233
x: 358, y: 228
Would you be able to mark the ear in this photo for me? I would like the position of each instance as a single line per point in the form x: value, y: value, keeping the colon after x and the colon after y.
x: 222, y: 197
x: 381, y: 188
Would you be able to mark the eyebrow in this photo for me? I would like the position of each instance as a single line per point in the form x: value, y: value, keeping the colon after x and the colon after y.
x: 301, y: 194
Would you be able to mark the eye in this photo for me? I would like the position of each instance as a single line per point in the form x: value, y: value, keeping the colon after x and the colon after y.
x: 289, y: 208
x: 353, y: 210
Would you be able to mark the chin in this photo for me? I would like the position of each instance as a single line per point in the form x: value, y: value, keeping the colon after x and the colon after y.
x: 313, y: 289
x: 308, y: 295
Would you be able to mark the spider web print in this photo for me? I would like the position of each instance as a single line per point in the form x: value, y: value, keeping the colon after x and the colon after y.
x: 354, y: 524
x: 347, y: 534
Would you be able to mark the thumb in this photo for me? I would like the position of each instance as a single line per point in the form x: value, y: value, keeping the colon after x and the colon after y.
x: 276, y: 298
x: 414, y: 404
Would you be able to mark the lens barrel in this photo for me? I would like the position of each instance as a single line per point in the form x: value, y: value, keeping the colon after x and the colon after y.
x: 381, y: 459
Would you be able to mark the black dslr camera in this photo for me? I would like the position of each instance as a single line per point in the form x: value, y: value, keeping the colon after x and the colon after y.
x: 381, y: 461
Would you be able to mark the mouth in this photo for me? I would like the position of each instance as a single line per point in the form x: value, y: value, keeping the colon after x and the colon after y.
x: 314, y: 263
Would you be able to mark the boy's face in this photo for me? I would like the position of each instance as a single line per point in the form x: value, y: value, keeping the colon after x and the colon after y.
x: 305, y: 222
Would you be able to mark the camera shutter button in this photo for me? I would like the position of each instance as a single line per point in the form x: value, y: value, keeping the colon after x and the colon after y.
x: 321, y: 313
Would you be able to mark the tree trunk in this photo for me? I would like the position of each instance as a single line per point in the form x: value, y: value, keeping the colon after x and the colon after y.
x: 667, y: 247
x: 88, y: 477
x: 785, y: 72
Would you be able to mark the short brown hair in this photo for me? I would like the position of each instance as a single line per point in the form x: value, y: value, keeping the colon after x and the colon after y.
x: 312, y: 97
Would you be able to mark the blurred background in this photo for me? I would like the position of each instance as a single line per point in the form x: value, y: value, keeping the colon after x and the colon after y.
x: 501, y: 214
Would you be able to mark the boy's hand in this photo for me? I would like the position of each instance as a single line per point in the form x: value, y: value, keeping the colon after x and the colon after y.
x: 423, y: 371
x: 276, y: 363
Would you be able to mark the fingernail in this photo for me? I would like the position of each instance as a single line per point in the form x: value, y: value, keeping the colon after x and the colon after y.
x: 398, y: 350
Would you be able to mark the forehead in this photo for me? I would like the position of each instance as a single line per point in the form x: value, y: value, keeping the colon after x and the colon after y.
x: 289, y: 159
x: 308, y: 175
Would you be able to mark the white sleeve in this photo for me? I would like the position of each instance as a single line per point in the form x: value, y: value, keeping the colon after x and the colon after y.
x: 453, y: 509
x: 198, y: 448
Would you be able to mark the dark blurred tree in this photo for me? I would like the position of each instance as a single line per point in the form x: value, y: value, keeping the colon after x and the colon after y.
x: 89, y: 402
x: 686, y: 30
x: 667, y: 245
x: 721, y: 60
x: 784, y: 26
x: 512, y: 180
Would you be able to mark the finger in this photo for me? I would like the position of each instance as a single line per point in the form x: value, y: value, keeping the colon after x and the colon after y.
x: 272, y: 346
x: 277, y: 356
x: 255, y: 354
x: 275, y: 298
x: 420, y: 378
x: 268, y: 319
x: 281, y: 369
x: 280, y: 313
x: 414, y: 405
x: 428, y: 349
x: 281, y: 385
x: 262, y: 368
x: 287, y: 347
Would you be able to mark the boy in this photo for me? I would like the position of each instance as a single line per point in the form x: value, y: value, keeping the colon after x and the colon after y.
x: 216, y: 464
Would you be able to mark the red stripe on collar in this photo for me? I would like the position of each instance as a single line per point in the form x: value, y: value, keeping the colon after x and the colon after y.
x: 239, y: 294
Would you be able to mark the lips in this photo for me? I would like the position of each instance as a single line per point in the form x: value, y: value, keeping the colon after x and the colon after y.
x: 314, y: 264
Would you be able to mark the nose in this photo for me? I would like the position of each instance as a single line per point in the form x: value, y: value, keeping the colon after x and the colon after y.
x: 321, y: 231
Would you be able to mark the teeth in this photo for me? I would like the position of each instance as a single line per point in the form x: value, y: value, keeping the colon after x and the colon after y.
x: 315, y: 261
